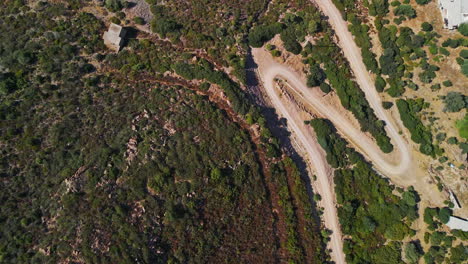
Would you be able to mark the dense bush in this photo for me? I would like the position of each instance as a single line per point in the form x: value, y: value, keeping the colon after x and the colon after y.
x: 405, y: 10
x: 380, y: 84
x: 419, y: 133
x: 164, y: 26
x: 139, y: 20
x: 263, y: 33
x: 316, y: 75
x: 426, y: 26
x: 290, y: 41
x: 387, y: 105
x: 455, y: 101
x: 463, y: 29
x: 325, y: 87
x: 115, y: 5
x: 412, y: 253
x: 378, y: 7
x: 423, y: 2
x: 444, y: 215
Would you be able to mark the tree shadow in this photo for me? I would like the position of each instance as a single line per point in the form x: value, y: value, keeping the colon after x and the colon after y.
x: 131, y: 4
x: 131, y: 33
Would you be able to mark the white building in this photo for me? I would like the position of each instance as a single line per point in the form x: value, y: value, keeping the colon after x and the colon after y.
x: 458, y: 223
x: 454, y: 12
x: 114, y: 37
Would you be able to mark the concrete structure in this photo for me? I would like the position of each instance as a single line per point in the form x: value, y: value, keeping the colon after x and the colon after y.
x: 114, y: 37
x: 458, y: 223
x: 454, y: 12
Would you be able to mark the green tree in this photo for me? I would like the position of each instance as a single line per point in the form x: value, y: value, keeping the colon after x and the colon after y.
x: 380, y: 84
x: 289, y: 39
x: 325, y: 87
x: 114, y: 5
x: 405, y: 10
x: 423, y: 2
x: 387, y: 105
x: 316, y: 75
x: 261, y: 34
x: 426, y: 26
x: 164, y: 26
x: 459, y: 254
x: 455, y: 101
x: 412, y: 252
x: 139, y: 20
x: 463, y: 29
x: 436, y: 238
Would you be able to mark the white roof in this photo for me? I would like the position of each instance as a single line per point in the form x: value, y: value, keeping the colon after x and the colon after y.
x: 458, y: 223
x: 454, y: 12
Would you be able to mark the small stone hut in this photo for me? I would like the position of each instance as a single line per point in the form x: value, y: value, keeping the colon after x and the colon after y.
x: 114, y: 37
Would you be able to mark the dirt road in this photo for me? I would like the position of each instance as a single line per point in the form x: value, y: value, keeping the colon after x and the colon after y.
x: 269, y: 70
x: 353, y: 53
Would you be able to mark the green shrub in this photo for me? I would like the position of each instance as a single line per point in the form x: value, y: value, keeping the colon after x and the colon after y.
x: 452, y: 140
x: 444, y: 51
x: 464, y: 54
x: 380, y: 84
x: 325, y: 87
x: 423, y: 2
x: 419, y: 133
x: 261, y: 34
x: 387, y: 105
x: 412, y: 253
x: 405, y: 10
x: 444, y: 214
x: 455, y: 101
x: 426, y: 26
x: 115, y: 20
x: 139, y: 21
x: 316, y: 75
x: 447, y: 83
x: 458, y: 254
x: 276, y: 53
x: 463, y: 29
x: 441, y: 136
x: 164, y: 26
x: 115, y: 5
x: 289, y: 39
x: 464, y: 147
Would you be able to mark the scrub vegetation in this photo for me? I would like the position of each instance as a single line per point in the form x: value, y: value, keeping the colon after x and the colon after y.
x: 107, y: 160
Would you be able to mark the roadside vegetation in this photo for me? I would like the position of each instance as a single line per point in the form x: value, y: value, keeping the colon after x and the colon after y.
x: 374, y: 214
x: 325, y: 62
